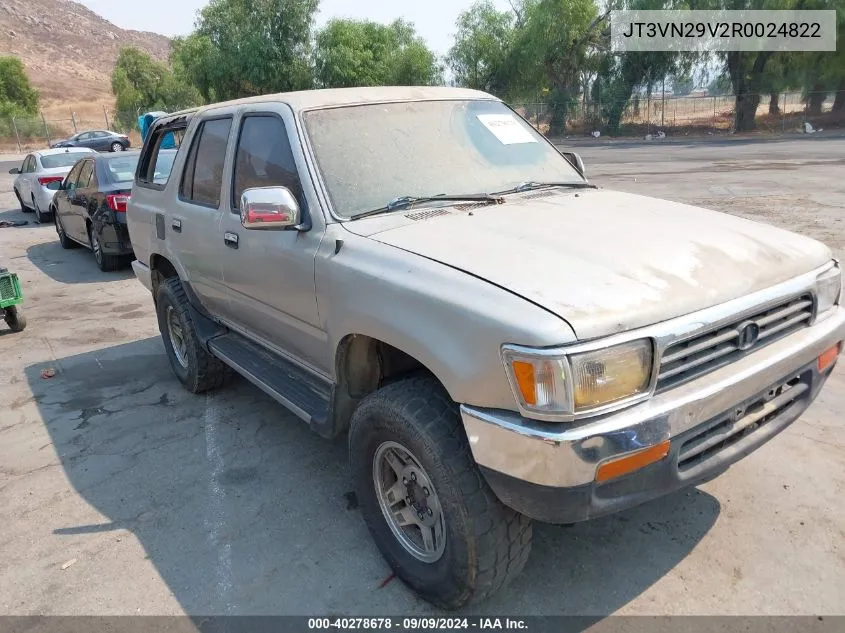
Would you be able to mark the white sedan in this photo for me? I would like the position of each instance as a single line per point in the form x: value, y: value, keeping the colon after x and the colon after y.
x: 40, y: 176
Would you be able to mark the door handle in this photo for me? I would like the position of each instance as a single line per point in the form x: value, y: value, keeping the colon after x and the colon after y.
x: 231, y: 239
x: 176, y: 225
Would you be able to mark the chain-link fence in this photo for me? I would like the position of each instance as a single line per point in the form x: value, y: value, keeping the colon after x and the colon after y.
x: 656, y: 114
x: 653, y: 114
x: 25, y: 133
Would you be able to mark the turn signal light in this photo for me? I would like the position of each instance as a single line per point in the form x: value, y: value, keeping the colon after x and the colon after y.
x: 829, y: 357
x: 630, y: 463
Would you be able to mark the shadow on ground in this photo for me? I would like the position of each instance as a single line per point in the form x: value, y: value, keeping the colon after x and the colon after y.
x: 74, y: 266
x: 243, y: 510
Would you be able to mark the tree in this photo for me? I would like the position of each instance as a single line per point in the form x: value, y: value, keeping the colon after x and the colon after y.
x: 138, y: 81
x: 364, y: 53
x: 17, y: 96
x: 482, y: 44
x: 249, y: 47
x: 554, y: 47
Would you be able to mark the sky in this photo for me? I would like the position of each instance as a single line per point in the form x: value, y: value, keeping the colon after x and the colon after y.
x: 434, y: 19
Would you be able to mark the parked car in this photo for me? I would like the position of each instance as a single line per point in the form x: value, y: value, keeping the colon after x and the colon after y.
x: 39, y: 177
x: 90, y: 207
x: 502, y: 340
x: 100, y: 140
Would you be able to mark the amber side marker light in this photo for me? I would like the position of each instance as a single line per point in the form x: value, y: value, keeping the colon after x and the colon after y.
x: 630, y: 463
x: 829, y: 357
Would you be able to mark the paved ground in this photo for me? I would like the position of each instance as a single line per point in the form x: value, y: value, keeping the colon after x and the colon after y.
x: 167, y: 503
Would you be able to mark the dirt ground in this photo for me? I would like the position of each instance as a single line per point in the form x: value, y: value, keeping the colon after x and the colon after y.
x: 120, y: 493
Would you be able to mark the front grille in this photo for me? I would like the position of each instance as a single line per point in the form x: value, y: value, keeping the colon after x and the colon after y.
x: 718, y: 347
x: 741, y: 422
x: 7, y: 289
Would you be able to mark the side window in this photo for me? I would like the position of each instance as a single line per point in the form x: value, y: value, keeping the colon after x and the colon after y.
x: 29, y: 165
x: 264, y: 158
x: 85, y: 174
x: 72, y: 177
x: 158, y: 156
x: 203, y: 177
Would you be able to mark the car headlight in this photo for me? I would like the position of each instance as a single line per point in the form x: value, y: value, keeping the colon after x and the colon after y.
x: 828, y: 289
x: 551, y: 384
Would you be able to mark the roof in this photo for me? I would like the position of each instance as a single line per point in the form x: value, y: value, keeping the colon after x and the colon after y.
x: 333, y: 97
x: 61, y: 150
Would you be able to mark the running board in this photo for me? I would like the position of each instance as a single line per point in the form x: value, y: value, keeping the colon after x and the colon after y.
x: 304, y: 394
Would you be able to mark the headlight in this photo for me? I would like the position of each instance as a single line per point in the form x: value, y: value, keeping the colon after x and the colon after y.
x: 828, y: 288
x: 559, y: 384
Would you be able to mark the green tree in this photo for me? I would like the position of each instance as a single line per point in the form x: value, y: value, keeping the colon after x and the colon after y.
x: 138, y: 81
x: 482, y: 45
x: 17, y: 96
x: 364, y: 53
x: 555, y: 46
x: 248, y: 47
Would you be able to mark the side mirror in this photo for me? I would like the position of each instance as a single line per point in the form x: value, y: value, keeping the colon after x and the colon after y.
x: 269, y: 208
x: 15, y: 171
x: 575, y: 160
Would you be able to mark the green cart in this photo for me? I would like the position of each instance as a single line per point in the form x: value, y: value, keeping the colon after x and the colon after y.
x: 10, y: 299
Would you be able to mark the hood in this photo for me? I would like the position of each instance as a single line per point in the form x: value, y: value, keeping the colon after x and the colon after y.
x: 607, y: 261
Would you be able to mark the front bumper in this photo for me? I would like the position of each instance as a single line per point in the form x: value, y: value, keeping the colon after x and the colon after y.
x: 549, y: 473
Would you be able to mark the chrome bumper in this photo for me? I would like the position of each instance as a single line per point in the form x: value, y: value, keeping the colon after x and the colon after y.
x: 561, y: 455
x: 143, y: 273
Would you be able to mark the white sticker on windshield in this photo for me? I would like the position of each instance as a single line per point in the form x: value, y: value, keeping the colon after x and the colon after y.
x: 506, y: 128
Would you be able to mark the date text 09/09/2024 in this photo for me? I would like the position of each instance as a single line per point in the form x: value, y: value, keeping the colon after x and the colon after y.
x: 417, y: 624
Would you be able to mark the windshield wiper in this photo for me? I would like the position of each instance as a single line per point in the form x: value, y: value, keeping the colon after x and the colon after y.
x: 528, y: 186
x: 406, y: 202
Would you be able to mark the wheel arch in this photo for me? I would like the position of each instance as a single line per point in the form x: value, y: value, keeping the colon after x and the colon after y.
x: 363, y: 364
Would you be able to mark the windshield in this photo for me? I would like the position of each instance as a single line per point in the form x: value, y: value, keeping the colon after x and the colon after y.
x: 371, y: 154
x: 121, y: 168
x: 54, y: 161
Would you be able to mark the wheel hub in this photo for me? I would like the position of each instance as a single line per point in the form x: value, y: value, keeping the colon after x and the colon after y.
x: 409, y: 502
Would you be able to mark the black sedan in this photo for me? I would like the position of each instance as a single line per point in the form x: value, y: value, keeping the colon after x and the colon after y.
x: 100, y: 140
x: 89, y: 208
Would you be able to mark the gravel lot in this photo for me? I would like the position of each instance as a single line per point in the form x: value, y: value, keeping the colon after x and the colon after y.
x: 120, y: 493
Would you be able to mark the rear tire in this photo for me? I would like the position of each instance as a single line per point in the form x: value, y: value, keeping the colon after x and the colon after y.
x: 106, y: 263
x: 484, y: 543
x: 196, y: 369
x: 64, y: 240
x: 40, y: 218
x: 117, y: 147
x: 15, y: 319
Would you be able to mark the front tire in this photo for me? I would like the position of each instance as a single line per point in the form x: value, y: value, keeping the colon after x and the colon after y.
x: 24, y: 208
x: 117, y: 147
x: 15, y: 319
x: 196, y: 369
x: 64, y: 240
x: 407, y: 439
x: 106, y: 263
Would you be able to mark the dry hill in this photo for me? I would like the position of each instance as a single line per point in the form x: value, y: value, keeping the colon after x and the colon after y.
x: 68, y: 50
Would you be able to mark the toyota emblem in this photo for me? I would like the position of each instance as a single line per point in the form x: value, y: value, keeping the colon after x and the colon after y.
x: 747, y: 333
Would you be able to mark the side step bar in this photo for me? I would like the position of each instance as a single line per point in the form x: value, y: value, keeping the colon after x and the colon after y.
x: 304, y: 394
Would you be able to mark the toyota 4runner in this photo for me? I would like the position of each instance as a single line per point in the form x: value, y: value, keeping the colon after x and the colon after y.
x: 502, y: 340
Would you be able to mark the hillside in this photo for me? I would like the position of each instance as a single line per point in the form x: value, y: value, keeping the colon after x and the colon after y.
x: 68, y: 50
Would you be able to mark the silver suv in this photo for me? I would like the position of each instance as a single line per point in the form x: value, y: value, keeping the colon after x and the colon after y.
x: 502, y: 340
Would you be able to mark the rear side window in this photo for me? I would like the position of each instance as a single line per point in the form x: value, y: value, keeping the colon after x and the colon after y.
x: 203, y: 177
x: 85, y: 174
x: 264, y: 158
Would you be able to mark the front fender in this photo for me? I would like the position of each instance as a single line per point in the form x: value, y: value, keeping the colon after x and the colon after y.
x: 452, y: 323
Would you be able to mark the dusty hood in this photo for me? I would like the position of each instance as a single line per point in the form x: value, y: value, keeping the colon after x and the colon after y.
x: 608, y: 261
